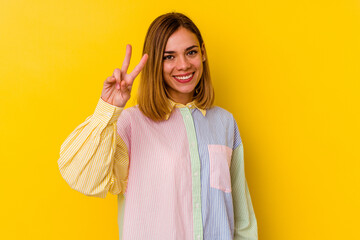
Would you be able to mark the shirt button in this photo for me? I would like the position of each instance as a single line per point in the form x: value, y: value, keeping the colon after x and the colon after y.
x: 195, y: 174
x: 198, y: 236
x: 197, y: 205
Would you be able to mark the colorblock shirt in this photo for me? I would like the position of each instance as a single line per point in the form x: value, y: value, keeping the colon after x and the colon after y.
x: 182, y: 178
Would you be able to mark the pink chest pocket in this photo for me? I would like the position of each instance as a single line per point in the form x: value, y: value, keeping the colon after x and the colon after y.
x: 220, y: 160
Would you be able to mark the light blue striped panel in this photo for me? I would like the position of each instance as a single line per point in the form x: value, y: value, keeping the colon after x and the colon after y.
x: 217, y: 127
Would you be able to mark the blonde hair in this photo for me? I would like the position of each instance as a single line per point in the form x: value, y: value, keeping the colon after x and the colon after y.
x: 152, y: 96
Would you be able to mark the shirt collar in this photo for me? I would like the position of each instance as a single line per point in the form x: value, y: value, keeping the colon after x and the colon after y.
x: 190, y: 105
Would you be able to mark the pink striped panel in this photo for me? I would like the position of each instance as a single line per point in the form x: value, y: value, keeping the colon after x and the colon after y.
x: 158, y: 196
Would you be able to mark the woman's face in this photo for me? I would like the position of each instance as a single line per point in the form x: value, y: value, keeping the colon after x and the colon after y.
x: 182, y: 65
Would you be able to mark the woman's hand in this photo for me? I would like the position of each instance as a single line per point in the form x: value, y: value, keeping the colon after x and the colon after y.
x: 117, y: 88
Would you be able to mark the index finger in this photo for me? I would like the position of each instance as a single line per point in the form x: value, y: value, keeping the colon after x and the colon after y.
x: 138, y: 67
x: 126, y: 61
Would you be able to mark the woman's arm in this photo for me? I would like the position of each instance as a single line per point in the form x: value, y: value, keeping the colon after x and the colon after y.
x: 244, y: 216
x: 93, y: 159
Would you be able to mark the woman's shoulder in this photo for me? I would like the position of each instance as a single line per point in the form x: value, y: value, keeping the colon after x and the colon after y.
x: 128, y: 113
x: 134, y: 113
x: 217, y: 111
x: 132, y: 109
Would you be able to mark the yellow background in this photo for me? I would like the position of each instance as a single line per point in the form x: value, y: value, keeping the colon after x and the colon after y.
x: 289, y: 71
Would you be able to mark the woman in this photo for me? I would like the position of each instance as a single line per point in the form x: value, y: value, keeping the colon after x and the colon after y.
x: 175, y: 161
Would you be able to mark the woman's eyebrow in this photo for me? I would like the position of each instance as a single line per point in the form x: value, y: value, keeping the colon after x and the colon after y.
x: 187, y: 49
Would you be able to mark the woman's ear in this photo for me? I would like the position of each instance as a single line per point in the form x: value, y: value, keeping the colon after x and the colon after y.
x: 203, y: 52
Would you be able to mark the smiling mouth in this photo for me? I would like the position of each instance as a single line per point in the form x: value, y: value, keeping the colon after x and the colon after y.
x: 184, y: 78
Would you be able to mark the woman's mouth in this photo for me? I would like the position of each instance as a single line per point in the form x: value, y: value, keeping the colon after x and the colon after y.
x: 184, y: 78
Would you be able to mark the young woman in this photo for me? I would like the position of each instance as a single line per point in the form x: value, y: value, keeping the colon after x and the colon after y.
x: 174, y: 160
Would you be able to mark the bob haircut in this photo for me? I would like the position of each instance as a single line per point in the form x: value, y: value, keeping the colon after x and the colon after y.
x: 153, y: 95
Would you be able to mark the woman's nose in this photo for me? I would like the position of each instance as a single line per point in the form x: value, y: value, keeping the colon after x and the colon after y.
x: 183, y: 63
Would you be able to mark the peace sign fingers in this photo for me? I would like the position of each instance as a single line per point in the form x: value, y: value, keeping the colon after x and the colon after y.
x: 117, y: 88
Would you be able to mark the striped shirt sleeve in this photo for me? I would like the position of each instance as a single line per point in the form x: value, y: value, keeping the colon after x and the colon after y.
x: 94, y: 159
x: 244, y: 216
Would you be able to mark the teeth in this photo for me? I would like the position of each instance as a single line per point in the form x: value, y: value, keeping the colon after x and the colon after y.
x: 184, y: 77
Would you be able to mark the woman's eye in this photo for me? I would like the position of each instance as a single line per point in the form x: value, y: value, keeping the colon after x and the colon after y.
x: 168, y: 57
x: 193, y: 52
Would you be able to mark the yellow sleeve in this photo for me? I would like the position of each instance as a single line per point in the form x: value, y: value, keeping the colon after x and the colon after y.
x: 94, y: 159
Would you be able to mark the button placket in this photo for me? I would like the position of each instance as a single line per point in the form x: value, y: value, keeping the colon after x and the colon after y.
x: 195, y: 169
